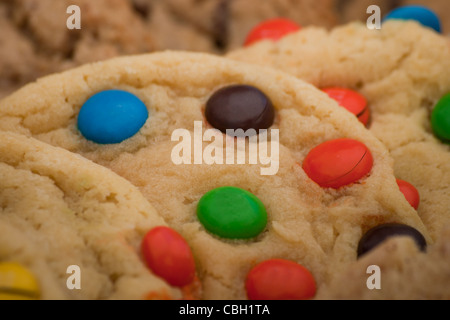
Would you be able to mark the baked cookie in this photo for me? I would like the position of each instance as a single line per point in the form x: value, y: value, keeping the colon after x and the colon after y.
x: 228, y: 21
x: 326, y: 182
x: 399, y: 262
x: 402, y: 72
x: 35, y: 40
x: 60, y: 212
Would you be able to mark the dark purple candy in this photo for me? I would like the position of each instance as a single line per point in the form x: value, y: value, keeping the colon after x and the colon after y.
x: 240, y: 107
x: 377, y: 235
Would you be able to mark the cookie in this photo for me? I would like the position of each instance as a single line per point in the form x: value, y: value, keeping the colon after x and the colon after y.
x: 228, y: 21
x: 234, y: 212
x: 35, y: 40
x: 60, y: 214
x: 399, y: 261
x: 401, y: 71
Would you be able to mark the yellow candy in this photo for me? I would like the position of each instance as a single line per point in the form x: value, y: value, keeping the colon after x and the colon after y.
x: 17, y: 282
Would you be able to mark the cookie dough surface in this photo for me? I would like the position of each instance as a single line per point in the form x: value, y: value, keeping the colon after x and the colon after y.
x: 58, y: 209
x: 402, y: 71
x: 318, y: 228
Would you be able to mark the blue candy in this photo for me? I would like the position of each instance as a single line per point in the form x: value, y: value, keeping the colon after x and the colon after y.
x: 112, y: 116
x: 421, y: 14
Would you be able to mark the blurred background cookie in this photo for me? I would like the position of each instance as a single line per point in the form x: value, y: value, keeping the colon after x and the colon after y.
x: 35, y: 41
x: 228, y: 21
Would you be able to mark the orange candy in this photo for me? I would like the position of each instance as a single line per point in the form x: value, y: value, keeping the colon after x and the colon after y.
x: 352, y: 101
x: 410, y: 192
x: 280, y: 280
x: 338, y: 163
x: 168, y: 255
x: 273, y: 29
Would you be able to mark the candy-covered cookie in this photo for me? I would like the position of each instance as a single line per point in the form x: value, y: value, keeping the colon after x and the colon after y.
x: 71, y: 229
x: 396, y: 81
x: 257, y: 170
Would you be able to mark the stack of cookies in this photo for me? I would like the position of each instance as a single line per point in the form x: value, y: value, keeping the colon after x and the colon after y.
x: 296, y: 161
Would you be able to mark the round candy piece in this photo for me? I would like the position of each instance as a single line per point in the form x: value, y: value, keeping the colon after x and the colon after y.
x: 240, y: 107
x: 280, y: 280
x: 338, y: 163
x: 273, y: 29
x: 352, y: 101
x: 410, y: 192
x: 112, y: 116
x: 17, y: 282
x: 232, y: 213
x: 379, y: 234
x: 440, y: 119
x: 168, y: 255
x: 421, y: 14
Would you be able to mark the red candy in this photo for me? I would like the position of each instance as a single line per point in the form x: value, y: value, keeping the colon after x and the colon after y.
x: 410, y: 192
x: 168, y: 255
x: 338, y: 163
x: 273, y: 29
x: 280, y: 280
x: 352, y: 101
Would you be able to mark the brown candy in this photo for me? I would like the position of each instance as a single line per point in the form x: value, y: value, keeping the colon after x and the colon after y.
x: 240, y: 107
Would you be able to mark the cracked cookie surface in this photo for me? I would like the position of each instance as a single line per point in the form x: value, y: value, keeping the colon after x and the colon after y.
x: 58, y: 209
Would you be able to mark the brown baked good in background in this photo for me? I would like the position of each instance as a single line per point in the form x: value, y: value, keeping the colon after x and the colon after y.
x: 229, y: 21
x: 35, y: 41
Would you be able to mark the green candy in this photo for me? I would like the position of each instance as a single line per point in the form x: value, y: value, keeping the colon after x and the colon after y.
x: 232, y: 213
x: 440, y: 119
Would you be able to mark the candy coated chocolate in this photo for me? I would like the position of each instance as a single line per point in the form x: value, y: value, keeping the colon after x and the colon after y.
x: 232, y: 213
x: 410, y: 192
x: 440, y: 119
x: 338, y: 163
x: 17, y: 282
x: 169, y: 256
x: 240, y: 107
x: 280, y: 279
x: 421, y: 14
x: 112, y: 116
x: 352, y: 101
x: 273, y: 29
